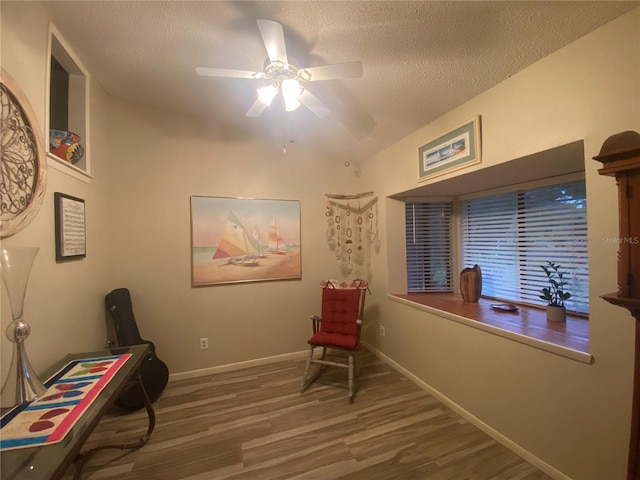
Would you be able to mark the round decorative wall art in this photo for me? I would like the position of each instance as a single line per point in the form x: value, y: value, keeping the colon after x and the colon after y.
x: 23, y: 176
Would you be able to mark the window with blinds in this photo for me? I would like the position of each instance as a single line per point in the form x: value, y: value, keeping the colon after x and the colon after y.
x: 428, y: 230
x: 512, y: 234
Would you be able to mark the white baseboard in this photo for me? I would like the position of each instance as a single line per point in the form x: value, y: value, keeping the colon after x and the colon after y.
x: 237, y: 366
x: 497, y: 436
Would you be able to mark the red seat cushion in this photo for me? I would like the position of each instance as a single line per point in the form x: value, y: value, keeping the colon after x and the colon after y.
x: 322, y: 339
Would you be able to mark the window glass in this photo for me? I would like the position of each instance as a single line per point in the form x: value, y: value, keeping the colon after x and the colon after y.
x: 428, y: 234
x: 512, y: 235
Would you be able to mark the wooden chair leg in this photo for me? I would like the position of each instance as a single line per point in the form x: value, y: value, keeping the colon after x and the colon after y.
x: 306, y: 381
x: 352, y: 367
x: 351, y: 380
x: 308, y: 367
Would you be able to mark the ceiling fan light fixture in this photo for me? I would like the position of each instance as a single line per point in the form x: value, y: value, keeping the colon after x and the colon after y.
x: 304, y: 75
x: 267, y: 94
x: 291, y: 104
x: 291, y: 89
x: 285, y: 77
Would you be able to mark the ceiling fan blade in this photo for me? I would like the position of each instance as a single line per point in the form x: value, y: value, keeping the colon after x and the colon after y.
x: 256, y: 109
x: 227, y: 72
x: 273, y: 37
x: 312, y: 103
x: 332, y: 72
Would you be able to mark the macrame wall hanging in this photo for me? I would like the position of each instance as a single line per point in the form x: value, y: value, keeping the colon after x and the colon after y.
x: 352, y: 228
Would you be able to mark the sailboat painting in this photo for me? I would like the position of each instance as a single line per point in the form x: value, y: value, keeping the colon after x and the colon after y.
x: 244, y: 240
x: 236, y: 246
x: 276, y: 242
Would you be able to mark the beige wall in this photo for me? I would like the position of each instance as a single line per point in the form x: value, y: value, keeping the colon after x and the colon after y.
x: 64, y: 302
x: 575, y: 417
x: 147, y: 163
x: 150, y: 221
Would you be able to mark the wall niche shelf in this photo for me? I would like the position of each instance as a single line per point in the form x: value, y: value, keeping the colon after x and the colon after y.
x: 67, y: 168
x: 67, y: 105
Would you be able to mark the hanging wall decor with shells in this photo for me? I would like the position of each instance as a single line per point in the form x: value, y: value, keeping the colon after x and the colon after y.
x: 352, y: 228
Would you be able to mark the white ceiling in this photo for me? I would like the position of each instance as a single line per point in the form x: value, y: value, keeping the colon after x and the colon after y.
x: 420, y: 59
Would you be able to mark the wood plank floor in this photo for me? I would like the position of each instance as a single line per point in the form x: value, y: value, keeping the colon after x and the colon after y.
x: 254, y: 424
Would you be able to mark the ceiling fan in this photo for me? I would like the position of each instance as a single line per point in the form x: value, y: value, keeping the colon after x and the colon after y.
x: 283, y: 77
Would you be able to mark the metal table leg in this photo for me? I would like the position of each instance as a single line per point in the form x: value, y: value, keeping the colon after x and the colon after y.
x: 81, y: 460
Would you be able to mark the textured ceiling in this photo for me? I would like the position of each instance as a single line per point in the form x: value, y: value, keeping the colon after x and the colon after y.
x: 420, y: 59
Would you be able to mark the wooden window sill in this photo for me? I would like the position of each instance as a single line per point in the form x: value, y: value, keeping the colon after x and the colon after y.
x: 528, y: 325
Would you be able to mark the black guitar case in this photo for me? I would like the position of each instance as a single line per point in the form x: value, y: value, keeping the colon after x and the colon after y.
x: 154, y: 372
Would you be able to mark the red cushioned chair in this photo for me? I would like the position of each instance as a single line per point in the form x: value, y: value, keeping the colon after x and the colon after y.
x: 337, y: 329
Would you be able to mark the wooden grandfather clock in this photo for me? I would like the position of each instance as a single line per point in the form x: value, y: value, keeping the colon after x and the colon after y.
x: 620, y: 156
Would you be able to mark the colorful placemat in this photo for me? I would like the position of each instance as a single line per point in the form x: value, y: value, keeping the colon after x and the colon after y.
x: 69, y: 393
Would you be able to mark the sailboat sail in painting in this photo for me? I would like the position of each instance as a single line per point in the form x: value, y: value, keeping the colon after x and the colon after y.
x: 236, y: 245
x: 228, y: 233
x: 276, y: 243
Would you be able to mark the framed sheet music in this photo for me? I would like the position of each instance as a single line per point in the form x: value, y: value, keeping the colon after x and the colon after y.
x: 70, y: 227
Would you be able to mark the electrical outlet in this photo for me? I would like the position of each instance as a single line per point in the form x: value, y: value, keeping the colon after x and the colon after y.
x: 382, y: 331
x: 204, y: 343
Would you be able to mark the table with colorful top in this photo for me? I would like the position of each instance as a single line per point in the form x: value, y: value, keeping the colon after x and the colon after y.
x: 42, y: 439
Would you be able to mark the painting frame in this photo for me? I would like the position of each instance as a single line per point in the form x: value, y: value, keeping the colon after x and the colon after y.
x: 241, y: 240
x: 458, y: 148
x: 70, y: 227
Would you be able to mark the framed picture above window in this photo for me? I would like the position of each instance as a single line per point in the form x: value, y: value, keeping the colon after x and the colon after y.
x: 459, y: 148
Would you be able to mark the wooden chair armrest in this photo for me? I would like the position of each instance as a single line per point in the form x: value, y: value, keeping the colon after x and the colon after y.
x: 316, y: 321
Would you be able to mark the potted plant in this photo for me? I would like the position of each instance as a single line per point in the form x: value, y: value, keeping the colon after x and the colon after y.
x: 555, y: 294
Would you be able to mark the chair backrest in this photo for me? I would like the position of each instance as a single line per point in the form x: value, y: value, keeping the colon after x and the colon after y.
x: 343, y: 306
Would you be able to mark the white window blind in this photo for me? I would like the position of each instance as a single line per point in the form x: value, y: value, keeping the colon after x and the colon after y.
x: 511, y: 235
x: 428, y: 246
